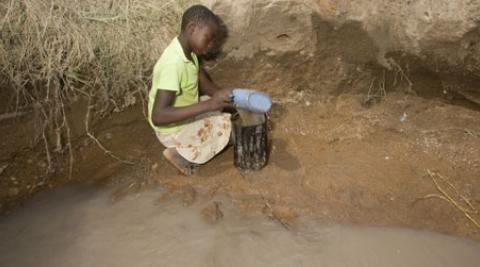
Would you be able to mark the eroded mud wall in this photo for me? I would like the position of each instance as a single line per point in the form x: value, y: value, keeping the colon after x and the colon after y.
x: 336, y: 46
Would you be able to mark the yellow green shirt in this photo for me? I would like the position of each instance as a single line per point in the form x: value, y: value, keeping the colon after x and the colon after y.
x: 174, y: 72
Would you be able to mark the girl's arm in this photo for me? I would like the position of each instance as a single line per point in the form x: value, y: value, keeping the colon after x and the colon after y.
x: 206, y: 84
x: 164, y: 113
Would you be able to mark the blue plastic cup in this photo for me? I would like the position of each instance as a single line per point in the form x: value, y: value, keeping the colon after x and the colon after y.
x: 252, y: 100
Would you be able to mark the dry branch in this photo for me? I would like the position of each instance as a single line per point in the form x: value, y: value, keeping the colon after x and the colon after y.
x: 97, y: 142
x: 403, y: 76
x: 11, y: 115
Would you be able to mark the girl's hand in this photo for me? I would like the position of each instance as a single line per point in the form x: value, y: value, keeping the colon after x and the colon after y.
x: 222, y: 99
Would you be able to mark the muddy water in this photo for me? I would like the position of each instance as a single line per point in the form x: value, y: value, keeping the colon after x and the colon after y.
x: 80, y: 226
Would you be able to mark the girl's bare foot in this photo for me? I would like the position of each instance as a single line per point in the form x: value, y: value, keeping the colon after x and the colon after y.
x: 184, y: 166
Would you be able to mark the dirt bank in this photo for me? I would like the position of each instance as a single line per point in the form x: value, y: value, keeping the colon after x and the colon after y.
x: 333, y: 159
x: 335, y: 45
x: 439, y: 31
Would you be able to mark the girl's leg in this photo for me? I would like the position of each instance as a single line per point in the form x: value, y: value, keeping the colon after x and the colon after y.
x: 173, y: 157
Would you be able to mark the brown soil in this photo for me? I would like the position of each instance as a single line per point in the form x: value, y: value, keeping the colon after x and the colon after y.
x: 332, y: 159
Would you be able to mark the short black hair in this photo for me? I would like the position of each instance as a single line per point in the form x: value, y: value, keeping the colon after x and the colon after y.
x: 198, y: 14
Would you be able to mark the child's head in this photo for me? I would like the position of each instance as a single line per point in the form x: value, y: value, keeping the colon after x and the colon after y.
x: 200, y: 25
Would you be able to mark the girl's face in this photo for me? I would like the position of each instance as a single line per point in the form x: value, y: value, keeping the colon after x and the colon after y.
x: 202, y: 36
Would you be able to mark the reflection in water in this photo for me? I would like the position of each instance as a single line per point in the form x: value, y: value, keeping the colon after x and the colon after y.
x: 80, y: 226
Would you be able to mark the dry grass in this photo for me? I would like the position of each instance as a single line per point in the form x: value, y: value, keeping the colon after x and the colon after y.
x: 375, y: 93
x: 454, y: 198
x: 53, y: 52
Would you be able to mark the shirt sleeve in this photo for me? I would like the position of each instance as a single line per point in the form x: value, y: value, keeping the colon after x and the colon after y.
x: 167, y: 77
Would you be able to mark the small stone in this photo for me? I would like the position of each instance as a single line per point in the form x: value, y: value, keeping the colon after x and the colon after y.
x: 286, y: 216
x: 13, y: 191
x: 271, y: 53
x: 212, y: 213
x: 189, y: 195
x: 108, y: 136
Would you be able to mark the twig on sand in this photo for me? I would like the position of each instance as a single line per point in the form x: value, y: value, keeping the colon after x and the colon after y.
x: 69, y: 138
x: 99, y: 144
x: 268, y: 211
x: 466, y: 211
x: 11, y: 115
x: 47, y: 152
x: 124, y: 191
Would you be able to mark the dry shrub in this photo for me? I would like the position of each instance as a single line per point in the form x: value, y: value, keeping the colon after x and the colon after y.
x: 52, y: 52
